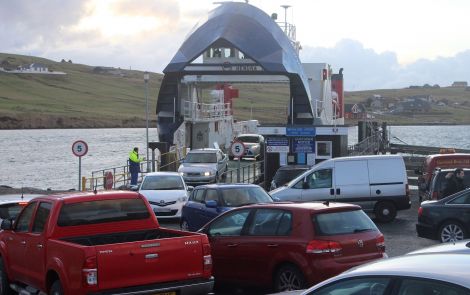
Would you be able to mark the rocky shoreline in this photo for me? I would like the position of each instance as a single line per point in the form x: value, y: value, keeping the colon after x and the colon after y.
x: 8, y: 190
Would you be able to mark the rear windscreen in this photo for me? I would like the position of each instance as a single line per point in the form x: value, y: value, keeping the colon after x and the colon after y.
x: 345, y: 222
x: 10, y: 211
x: 102, y: 211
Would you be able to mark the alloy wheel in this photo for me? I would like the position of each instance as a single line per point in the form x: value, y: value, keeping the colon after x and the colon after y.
x: 451, y: 233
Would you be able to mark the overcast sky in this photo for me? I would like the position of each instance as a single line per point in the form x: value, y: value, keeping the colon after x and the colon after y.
x: 379, y: 43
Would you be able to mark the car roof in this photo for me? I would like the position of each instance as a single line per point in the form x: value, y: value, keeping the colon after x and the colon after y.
x: 309, y: 206
x: 457, y: 247
x: 162, y: 173
x: 294, y: 167
x: 72, y: 197
x: 15, y: 198
x: 204, y: 150
x: 248, y: 134
x: 429, y: 266
x: 226, y: 185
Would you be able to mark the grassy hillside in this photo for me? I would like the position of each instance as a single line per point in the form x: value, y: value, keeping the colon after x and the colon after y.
x: 86, y: 98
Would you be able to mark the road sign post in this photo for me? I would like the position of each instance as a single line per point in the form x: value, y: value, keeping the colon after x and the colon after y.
x: 238, y: 149
x: 79, y: 149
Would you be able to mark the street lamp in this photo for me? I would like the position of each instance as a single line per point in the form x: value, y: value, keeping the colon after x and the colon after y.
x: 146, y: 80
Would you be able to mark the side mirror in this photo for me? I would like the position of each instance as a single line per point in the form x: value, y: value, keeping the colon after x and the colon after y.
x: 305, y: 184
x: 276, y: 199
x: 190, y: 188
x: 211, y: 204
x: 7, y: 224
x: 134, y: 188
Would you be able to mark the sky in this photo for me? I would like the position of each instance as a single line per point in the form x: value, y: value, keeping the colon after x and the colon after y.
x: 380, y: 43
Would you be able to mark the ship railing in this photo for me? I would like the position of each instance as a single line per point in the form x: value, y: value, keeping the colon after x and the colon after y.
x: 195, y: 111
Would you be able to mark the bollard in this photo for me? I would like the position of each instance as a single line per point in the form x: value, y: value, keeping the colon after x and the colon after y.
x: 83, y: 183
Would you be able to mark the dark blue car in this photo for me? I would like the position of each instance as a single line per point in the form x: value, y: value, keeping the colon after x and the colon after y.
x: 208, y: 201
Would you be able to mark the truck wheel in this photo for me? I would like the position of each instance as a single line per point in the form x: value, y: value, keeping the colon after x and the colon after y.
x: 56, y: 288
x: 385, y: 211
x: 451, y: 231
x: 288, y: 278
x: 4, y: 284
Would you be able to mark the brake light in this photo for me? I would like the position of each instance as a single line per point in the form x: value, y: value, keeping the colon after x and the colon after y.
x: 90, y: 272
x: 322, y: 247
x: 434, y: 195
x: 23, y: 203
x: 380, y: 243
x: 207, y: 260
x: 420, y: 211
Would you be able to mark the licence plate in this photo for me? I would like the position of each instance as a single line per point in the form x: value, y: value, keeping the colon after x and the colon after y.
x: 164, y: 210
x: 166, y: 293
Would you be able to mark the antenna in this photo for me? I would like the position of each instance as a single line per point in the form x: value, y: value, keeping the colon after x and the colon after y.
x: 285, y: 16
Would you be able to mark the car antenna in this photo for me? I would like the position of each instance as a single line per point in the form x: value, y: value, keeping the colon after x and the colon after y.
x: 22, y: 190
x: 326, y: 203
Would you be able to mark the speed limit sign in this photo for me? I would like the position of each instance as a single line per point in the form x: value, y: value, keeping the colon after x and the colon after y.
x: 237, y: 148
x: 79, y: 148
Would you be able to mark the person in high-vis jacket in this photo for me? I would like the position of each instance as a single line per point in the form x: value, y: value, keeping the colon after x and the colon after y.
x: 134, y: 165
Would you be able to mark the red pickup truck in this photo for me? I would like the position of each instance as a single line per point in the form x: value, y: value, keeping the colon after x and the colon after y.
x: 100, y: 243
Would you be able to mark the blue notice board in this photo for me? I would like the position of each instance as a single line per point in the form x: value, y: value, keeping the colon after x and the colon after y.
x: 300, y: 131
x: 303, y: 145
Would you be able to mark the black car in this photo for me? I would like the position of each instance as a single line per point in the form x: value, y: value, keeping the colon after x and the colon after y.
x: 286, y: 173
x: 438, y: 183
x: 446, y: 220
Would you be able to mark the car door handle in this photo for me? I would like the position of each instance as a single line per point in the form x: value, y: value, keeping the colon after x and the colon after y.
x: 338, y: 191
x: 232, y: 245
x: 332, y: 191
x: 39, y: 246
x: 23, y: 242
x: 273, y: 245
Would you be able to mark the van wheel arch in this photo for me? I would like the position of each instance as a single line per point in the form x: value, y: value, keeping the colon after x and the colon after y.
x: 385, y: 211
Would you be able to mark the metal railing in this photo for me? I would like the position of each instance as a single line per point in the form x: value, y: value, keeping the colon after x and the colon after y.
x: 252, y: 172
x: 199, y: 111
x: 369, y: 146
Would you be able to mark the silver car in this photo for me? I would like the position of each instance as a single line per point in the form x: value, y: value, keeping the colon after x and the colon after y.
x: 421, y: 274
x: 203, y: 166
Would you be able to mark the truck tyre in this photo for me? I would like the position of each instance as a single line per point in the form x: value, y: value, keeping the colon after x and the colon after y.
x: 4, y: 284
x: 385, y: 211
x: 288, y: 278
x: 452, y: 231
x: 56, y: 288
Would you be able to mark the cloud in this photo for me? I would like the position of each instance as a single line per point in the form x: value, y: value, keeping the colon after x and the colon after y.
x: 366, y: 69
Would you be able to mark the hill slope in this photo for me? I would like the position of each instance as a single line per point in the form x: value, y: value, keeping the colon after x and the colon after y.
x: 89, y: 97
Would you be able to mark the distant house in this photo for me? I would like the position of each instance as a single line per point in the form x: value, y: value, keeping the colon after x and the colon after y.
x: 34, y: 68
x: 355, y: 111
x: 460, y: 84
x: 413, y: 106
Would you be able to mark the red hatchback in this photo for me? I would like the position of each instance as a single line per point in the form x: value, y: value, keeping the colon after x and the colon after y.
x: 289, y: 246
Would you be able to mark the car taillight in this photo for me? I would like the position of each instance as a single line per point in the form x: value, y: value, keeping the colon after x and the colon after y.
x: 207, y: 257
x: 322, y: 247
x: 380, y: 243
x: 420, y: 211
x: 90, y: 272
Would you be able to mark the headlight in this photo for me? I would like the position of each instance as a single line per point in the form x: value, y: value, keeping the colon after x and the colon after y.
x: 182, y: 199
x: 208, y: 173
x: 181, y: 173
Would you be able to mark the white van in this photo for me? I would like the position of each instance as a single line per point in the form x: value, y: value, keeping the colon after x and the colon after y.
x: 378, y: 184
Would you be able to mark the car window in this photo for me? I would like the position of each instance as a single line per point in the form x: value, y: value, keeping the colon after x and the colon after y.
x: 318, y: 179
x: 239, y: 196
x: 42, y: 214
x: 198, y: 196
x: 359, y: 286
x: 230, y: 224
x: 344, y: 222
x: 212, y: 195
x: 22, y: 225
x: 284, y: 176
x: 461, y: 200
x: 271, y: 222
x: 249, y: 139
x: 162, y: 182
x: 201, y: 158
x: 11, y: 211
x: 429, y: 287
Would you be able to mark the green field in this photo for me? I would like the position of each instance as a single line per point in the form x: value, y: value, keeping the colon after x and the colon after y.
x: 85, y: 99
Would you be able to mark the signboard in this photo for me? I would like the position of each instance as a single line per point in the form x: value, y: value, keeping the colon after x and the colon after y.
x: 79, y: 148
x: 237, y: 148
x: 277, y: 145
x: 300, y: 131
x: 303, y: 145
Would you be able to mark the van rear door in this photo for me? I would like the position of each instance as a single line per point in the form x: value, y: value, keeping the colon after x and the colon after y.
x: 150, y: 261
x: 352, y: 183
x: 387, y: 177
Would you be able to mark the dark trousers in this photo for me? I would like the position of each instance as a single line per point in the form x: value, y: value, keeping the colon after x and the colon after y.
x: 134, y: 176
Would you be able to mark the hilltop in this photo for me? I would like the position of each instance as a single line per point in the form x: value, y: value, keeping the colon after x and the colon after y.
x: 100, y: 96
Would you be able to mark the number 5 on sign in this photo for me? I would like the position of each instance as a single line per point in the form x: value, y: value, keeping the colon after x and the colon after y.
x: 237, y: 148
x: 79, y: 149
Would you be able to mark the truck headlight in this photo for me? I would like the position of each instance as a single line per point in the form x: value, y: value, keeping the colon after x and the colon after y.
x: 208, y: 173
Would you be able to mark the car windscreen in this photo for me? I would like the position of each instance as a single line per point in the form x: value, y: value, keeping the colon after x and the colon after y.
x: 11, y: 210
x: 250, y: 139
x: 343, y: 222
x: 162, y: 182
x: 102, y: 211
x: 239, y: 196
x: 201, y: 158
x: 284, y: 176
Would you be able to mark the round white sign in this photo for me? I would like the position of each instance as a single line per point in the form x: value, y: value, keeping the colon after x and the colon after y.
x: 237, y: 148
x: 79, y: 148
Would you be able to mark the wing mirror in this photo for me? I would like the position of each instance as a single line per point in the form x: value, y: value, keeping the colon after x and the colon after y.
x: 211, y: 204
x: 190, y: 188
x: 134, y: 188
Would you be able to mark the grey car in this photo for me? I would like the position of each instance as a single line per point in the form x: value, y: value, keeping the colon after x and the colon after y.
x: 421, y: 274
x: 203, y: 166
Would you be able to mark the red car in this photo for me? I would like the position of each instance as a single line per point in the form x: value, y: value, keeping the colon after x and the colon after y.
x: 289, y: 246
